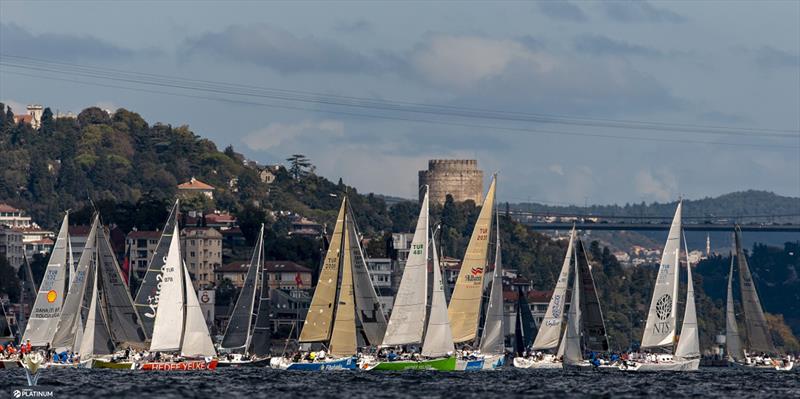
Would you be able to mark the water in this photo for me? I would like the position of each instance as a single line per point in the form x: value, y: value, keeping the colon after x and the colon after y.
x: 252, y: 382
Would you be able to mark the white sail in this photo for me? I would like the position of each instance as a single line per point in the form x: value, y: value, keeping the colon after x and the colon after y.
x: 70, y: 323
x: 660, y: 328
x: 96, y: 339
x: 733, y: 342
x: 47, y: 309
x: 196, y: 339
x: 550, y: 329
x: 572, y: 337
x: 689, y: 343
x: 493, y: 337
x: 438, y: 336
x: 168, y: 325
x: 407, y: 322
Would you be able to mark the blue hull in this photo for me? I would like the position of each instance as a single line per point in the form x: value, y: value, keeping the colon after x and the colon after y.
x: 348, y: 363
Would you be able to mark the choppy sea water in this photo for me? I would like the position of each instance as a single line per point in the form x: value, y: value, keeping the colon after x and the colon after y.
x: 510, y: 382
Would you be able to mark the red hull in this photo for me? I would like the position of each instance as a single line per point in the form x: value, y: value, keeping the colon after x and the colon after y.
x: 186, y: 365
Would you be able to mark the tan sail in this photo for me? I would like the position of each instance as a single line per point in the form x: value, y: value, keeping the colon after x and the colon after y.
x: 343, y: 338
x: 465, y: 303
x: 319, y: 318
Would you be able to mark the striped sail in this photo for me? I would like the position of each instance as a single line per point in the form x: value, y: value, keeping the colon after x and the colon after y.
x: 343, y: 337
x: 46, y: 310
x: 549, y: 333
x: 660, y: 328
x: 755, y: 323
x: 465, y: 303
x: 407, y: 322
x: 319, y: 318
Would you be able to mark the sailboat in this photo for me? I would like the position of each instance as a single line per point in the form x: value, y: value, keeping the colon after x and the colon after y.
x: 43, y: 321
x: 179, y: 326
x: 759, y: 343
x: 245, y: 342
x: 345, y: 313
x: 412, y: 322
x: 659, y: 332
x: 466, y: 302
x: 523, y: 325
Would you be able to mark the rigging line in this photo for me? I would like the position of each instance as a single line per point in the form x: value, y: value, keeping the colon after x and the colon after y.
x: 396, y: 106
x: 426, y: 121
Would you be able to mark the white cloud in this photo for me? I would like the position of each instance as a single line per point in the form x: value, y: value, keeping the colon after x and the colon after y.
x: 557, y: 169
x: 276, y: 133
x: 661, y: 186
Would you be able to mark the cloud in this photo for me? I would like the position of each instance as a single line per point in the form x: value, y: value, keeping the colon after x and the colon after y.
x: 16, y: 40
x: 604, y: 45
x: 557, y: 169
x: 770, y: 57
x: 277, y: 49
x: 562, y: 10
x: 276, y: 134
x: 661, y: 186
x: 640, y: 11
x: 360, y: 25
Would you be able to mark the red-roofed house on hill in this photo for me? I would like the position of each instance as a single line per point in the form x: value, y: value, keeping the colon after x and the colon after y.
x: 33, y: 117
x: 195, y: 187
x: 13, y: 217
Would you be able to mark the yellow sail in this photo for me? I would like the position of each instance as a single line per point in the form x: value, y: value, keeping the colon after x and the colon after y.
x: 319, y: 318
x: 343, y: 339
x: 465, y: 304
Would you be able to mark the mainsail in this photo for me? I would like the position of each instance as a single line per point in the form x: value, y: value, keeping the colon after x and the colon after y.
x: 368, y: 309
x: 407, y: 322
x: 572, y: 336
x: 465, y: 303
x: 689, y: 342
x: 733, y: 342
x: 493, y: 337
x: 237, y: 334
x: 123, y: 322
x: 70, y: 323
x: 524, y: 324
x: 96, y: 338
x: 262, y: 331
x: 549, y: 333
x: 343, y: 337
x: 660, y: 328
x: 592, y: 324
x: 169, y: 321
x: 755, y: 323
x: 438, y: 336
x: 47, y: 309
x: 319, y: 318
x: 147, y: 297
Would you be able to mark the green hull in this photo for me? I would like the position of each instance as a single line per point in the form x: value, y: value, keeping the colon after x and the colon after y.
x: 442, y: 364
x: 102, y: 364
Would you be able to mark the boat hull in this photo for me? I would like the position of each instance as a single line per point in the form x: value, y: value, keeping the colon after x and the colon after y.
x: 675, y: 365
x: 244, y: 363
x: 490, y: 362
x: 107, y: 364
x: 186, y: 365
x: 523, y: 363
x: 347, y: 363
x: 441, y: 364
x: 779, y: 366
x: 10, y: 364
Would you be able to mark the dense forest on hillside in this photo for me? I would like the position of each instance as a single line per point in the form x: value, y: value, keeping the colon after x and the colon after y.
x: 130, y: 169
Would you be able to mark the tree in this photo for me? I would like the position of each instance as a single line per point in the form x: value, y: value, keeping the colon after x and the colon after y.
x: 9, y: 283
x: 48, y: 123
x: 93, y: 116
x: 250, y: 219
x: 299, y: 166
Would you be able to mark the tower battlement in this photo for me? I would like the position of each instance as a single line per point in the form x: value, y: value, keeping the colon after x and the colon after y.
x: 460, y: 178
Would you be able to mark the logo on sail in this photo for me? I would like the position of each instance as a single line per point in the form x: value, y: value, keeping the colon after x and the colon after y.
x: 52, y: 295
x: 664, y: 307
x: 477, y: 270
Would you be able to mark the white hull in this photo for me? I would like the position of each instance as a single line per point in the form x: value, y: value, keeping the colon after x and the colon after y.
x: 525, y: 363
x: 780, y: 366
x: 586, y: 365
x: 673, y: 365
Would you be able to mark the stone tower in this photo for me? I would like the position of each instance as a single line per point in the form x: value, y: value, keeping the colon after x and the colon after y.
x: 457, y: 177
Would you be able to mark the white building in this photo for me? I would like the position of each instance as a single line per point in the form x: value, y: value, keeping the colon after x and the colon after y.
x: 13, y: 217
x: 11, y: 246
x: 380, y: 271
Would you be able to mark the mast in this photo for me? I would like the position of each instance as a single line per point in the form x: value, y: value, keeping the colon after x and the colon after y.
x: 149, y: 294
x: 238, y: 332
x: 438, y: 336
x: 689, y: 343
x: 46, y: 310
x: 407, y: 321
x: 260, y: 341
x: 170, y: 316
x: 343, y: 337
x: 659, y: 331
x: 549, y: 333
x: 755, y: 323
x: 96, y: 339
x: 465, y: 303
x: 593, y: 324
x: 572, y: 336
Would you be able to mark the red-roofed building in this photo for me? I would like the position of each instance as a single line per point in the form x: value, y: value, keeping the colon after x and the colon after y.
x: 33, y: 117
x: 196, y: 187
x: 13, y: 217
x: 283, y: 275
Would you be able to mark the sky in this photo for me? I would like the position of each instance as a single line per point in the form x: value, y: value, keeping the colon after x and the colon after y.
x: 544, y: 93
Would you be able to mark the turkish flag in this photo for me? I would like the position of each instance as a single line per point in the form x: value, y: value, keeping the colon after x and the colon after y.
x: 298, y: 280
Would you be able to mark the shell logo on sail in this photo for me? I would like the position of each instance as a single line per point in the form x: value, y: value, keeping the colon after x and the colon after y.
x: 52, y: 296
